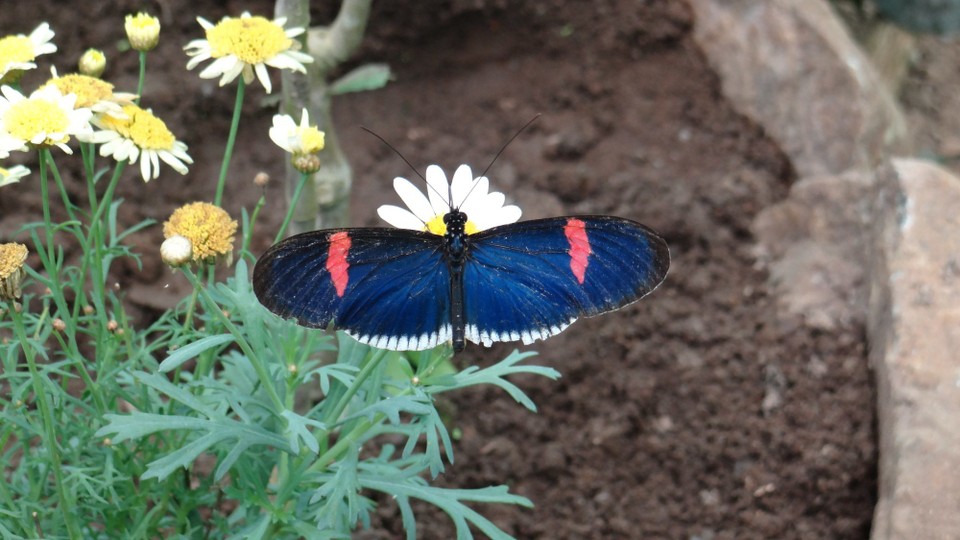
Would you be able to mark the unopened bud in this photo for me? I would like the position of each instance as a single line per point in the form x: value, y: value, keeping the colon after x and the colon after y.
x: 261, y: 179
x: 143, y: 31
x: 176, y: 251
x: 92, y: 63
x: 306, y: 163
x: 59, y: 325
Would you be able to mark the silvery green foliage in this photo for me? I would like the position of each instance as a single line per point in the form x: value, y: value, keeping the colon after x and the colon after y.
x: 309, y: 473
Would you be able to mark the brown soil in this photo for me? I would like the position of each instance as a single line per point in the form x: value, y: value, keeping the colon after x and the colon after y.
x: 696, y: 413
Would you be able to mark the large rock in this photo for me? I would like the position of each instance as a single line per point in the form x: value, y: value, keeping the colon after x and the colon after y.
x: 792, y: 67
x: 815, y: 245
x: 914, y: 333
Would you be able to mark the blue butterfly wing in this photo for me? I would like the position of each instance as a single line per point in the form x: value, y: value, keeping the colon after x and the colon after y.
x: 389, y: 288
x: 530, y: 280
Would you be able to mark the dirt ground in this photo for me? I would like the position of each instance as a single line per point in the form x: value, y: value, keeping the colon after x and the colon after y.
x: 698, y: 413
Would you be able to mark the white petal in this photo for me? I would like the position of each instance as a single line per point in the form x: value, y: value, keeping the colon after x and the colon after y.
x: 475, y: 200
x: 414, y: 199
x: 438, y: 190
x: 173, y: 162
x: 461, y: 184
x: 218, y: 67
x: 145, y: 169
x: 288, y: 60
x: 507, y: 214
x: 399, y: 217
x: 264, y: 77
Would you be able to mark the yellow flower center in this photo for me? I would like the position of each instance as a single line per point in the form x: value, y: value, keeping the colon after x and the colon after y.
x: 438, y: 227
x: 28, y: 118
x: 208, y: 227
x: 15, y: 49
x: 12, y: 257
x: 89, y: 90
x: 251, y: 39
x: 142, y: 127
x: 311, y: 139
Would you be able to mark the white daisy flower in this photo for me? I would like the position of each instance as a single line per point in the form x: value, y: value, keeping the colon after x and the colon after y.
x: 92, y: 93
x: 302, y: 139
x: 484, y: 208
x: 46, y: 118
x: 140, y: 135
x: 247, y: 45
x: 18, y: 52
x: 13, y: 174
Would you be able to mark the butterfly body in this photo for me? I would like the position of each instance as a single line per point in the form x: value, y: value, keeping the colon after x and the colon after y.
x: 412, y: 290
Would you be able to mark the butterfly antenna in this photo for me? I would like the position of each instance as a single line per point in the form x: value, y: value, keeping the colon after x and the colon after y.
x: 397, y: 152
x: 506, y: 144
x: 497, y: 155
x: 412, y: 168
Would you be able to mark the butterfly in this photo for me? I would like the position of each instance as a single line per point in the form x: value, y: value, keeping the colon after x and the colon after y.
x: 402, y: 289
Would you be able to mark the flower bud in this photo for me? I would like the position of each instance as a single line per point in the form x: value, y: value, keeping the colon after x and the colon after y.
x: 92, y: 63
x: 176, y: 251
x: 143, y: 31
x: 306, y: 163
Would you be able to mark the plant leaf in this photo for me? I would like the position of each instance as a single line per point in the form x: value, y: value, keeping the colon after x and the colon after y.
x: 181, y: 355
x: 361, y: 79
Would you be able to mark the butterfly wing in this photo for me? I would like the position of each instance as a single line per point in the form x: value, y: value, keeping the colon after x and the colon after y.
x: 530, y: 280
x: 389, y: 288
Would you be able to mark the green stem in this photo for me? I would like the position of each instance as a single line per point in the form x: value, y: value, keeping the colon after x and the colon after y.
x: 293, y: 204
x: 49, y: 433
x: 191, y: 307
x: 47, y: 220
x: 253, y: 220
x: 63, y: 190
x: 262, y: 373
x: 142, y: 77
x: 100, y: 270
x: 344, y: 443
x: 370, y: 367
x: 231, y: 139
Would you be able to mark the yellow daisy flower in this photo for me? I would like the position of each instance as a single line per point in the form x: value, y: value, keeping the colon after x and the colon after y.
x: 140, y: 135
x: 92, y: 93
x: 302, y: 139
x: 18, y: 52
x: 12, y: 257
x: 143, y: 31
x: 246, y: 45
x: 13, y: 174
x: 46, y: 118
x: 208, y: 228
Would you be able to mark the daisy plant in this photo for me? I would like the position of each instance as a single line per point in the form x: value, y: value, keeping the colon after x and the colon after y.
x: 210, y: 417
x: 246, y: 46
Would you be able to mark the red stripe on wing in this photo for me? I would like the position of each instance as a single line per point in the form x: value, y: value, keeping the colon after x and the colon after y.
x: 337, y: 263
x: 576, y: 233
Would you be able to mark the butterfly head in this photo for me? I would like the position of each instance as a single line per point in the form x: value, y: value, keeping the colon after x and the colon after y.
x: 456, y: 222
